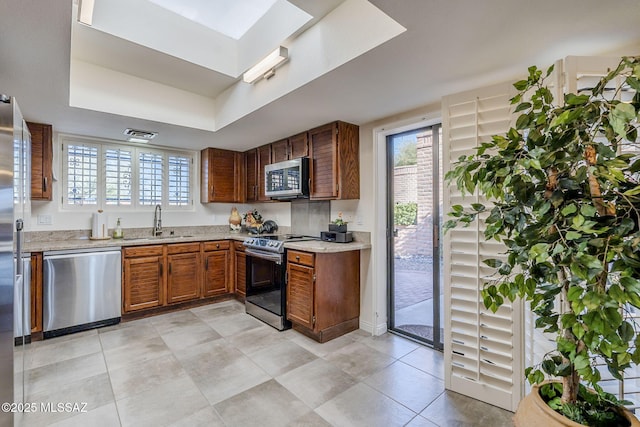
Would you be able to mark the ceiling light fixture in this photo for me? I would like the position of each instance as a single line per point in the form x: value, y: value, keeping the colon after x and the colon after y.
x: 85, y: 11
x: 266, y: 67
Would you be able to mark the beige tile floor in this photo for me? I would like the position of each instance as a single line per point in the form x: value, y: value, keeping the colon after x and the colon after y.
x: 216, y: 366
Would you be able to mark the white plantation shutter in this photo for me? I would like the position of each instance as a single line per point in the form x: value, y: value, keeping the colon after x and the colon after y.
x: 482, y: 349
x: 118, y: 170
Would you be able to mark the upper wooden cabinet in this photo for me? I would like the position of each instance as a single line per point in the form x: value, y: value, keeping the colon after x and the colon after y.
x: 222, y: 176
x: 290, y: 148
x: 263, y: 159
x: 255, y: 161
x: 334, y: 166
x: 41, y: 161
x: 251, y: 166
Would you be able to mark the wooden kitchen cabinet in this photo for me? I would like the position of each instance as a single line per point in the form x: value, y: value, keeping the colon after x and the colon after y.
x: 216, y: 257
x: 263, y: 159
x: 36, y: 292
x: 184, y: 272
x: 291, y: 148
x: 142, y: 277
x: 222, y: 176
x: 323, y: 293
x: 334, y: 166
x: 251, y: 181
x: 41, y: 160
x: 240, y: 270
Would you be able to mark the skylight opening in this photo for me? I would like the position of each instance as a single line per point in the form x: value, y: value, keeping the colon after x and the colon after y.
x: 231, y: 18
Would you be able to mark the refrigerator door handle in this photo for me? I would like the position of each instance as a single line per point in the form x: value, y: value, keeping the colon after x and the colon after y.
x: 19, y: 227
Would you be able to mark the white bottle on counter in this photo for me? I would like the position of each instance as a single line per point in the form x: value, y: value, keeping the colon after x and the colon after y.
x: 117, y: 233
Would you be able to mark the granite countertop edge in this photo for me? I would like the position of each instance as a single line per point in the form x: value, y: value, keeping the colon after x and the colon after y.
x: 318, y: 246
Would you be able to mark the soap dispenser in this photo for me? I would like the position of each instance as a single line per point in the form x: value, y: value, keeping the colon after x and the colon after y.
x: 117, y: 233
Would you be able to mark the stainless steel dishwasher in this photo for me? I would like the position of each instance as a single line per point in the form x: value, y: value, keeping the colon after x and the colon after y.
x: 81, y: 290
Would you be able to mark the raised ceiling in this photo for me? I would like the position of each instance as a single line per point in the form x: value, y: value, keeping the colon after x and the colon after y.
x: 448, y: 46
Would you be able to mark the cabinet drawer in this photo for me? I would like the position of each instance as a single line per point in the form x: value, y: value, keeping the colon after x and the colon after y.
x: 238, y: 246
x: 180, y: 248
x: 142, y: 251
x: 217, y: 245
x: 304, y: 258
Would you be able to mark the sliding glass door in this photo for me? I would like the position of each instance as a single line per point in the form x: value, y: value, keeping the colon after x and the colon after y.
x: 414, y: 212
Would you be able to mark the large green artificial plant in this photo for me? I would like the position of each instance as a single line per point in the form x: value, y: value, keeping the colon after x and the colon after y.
x: 564, y: 187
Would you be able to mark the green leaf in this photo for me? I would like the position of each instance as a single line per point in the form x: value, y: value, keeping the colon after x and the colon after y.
x: 588, y: 210
x: 572, y: 235
x: 569, y: 209
x: 626, y: 332
x: 621, y: 115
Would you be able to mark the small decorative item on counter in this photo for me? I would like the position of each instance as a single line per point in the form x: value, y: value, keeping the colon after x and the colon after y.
x: 117, y: 233
x: 338, y: 225
x: 235, y: 221
x: 253, y: 221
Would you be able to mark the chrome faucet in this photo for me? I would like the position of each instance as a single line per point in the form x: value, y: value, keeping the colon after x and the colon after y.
x: 157, y: 221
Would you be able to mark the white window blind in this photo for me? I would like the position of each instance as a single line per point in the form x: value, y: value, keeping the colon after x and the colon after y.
x: 82, y: 174
x: 118, y: 170
x: 150, y: 168
x: 101, y: 174
x: 179, y: 180
x: 482, y: 349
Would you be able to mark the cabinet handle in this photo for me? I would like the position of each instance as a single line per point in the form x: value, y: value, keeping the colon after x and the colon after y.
x: 44, y: 183
x: 160, y: 269
x: 217, y: 245
x: 297, y: 258
x: 169, y: 268
x: 206, y: 263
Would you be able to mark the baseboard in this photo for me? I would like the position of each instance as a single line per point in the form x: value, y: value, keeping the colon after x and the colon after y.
x: 368, y: 327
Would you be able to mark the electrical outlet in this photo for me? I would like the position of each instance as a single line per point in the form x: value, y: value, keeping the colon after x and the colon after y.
x: 358, y: 220
x: 45, y: 219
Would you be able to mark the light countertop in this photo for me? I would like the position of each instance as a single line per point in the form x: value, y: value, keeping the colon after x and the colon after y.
x: 317, y: 246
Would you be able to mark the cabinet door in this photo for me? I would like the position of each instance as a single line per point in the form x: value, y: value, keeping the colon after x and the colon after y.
x: 323, y: 163
x: 220, y: 175
x: 183, y: 281
x: 264, y: 158
x: 251, y: 165
x: 41, y: 161
x: 142, y: 283
x: 300, y: 294
x: 216, y: 273
x: 298, y: 145
x: 280, y: 151
x: 36, y: 292
x: 241, y: 273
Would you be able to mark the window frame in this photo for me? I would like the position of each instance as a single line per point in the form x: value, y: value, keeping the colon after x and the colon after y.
x: 103, y: 145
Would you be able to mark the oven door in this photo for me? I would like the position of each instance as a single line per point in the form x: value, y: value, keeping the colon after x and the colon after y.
x: 265, y: 288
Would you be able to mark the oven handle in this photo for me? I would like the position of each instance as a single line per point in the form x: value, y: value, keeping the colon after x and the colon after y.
x: 277, y: 258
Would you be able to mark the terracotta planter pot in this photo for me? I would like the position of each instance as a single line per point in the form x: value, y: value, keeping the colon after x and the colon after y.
x: 534, y: 412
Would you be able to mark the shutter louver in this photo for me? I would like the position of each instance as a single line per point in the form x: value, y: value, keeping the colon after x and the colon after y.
x: 482, y: 349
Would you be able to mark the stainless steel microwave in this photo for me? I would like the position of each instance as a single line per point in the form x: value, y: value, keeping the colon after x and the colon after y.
x: 288, y: 179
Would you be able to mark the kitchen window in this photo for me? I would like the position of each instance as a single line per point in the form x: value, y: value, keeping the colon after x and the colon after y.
x: 102, y: 175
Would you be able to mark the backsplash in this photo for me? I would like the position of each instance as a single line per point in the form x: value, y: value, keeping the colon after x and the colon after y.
x: 309, y: 218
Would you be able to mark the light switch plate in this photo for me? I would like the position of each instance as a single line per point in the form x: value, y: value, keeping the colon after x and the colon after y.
x: 45, y: 219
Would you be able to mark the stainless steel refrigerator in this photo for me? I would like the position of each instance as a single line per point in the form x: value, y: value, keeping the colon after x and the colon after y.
x: 15, y: 186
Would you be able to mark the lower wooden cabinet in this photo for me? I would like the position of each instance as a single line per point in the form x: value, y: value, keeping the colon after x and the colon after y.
x: 184, y: 272
x: 323, y: 293
x: 36, y: 292
x: 240, y: 264
x: 142, y: 278
x: 216, y: 268
x: 159, y: 275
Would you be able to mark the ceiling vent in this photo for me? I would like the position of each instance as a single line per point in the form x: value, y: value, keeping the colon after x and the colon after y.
x: 136, y: 135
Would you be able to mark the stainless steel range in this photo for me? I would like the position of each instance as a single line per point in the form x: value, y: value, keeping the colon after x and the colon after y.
x: 266, y: 288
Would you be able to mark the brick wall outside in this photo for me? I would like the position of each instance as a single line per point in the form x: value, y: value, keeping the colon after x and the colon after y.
x: 415, y: 184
